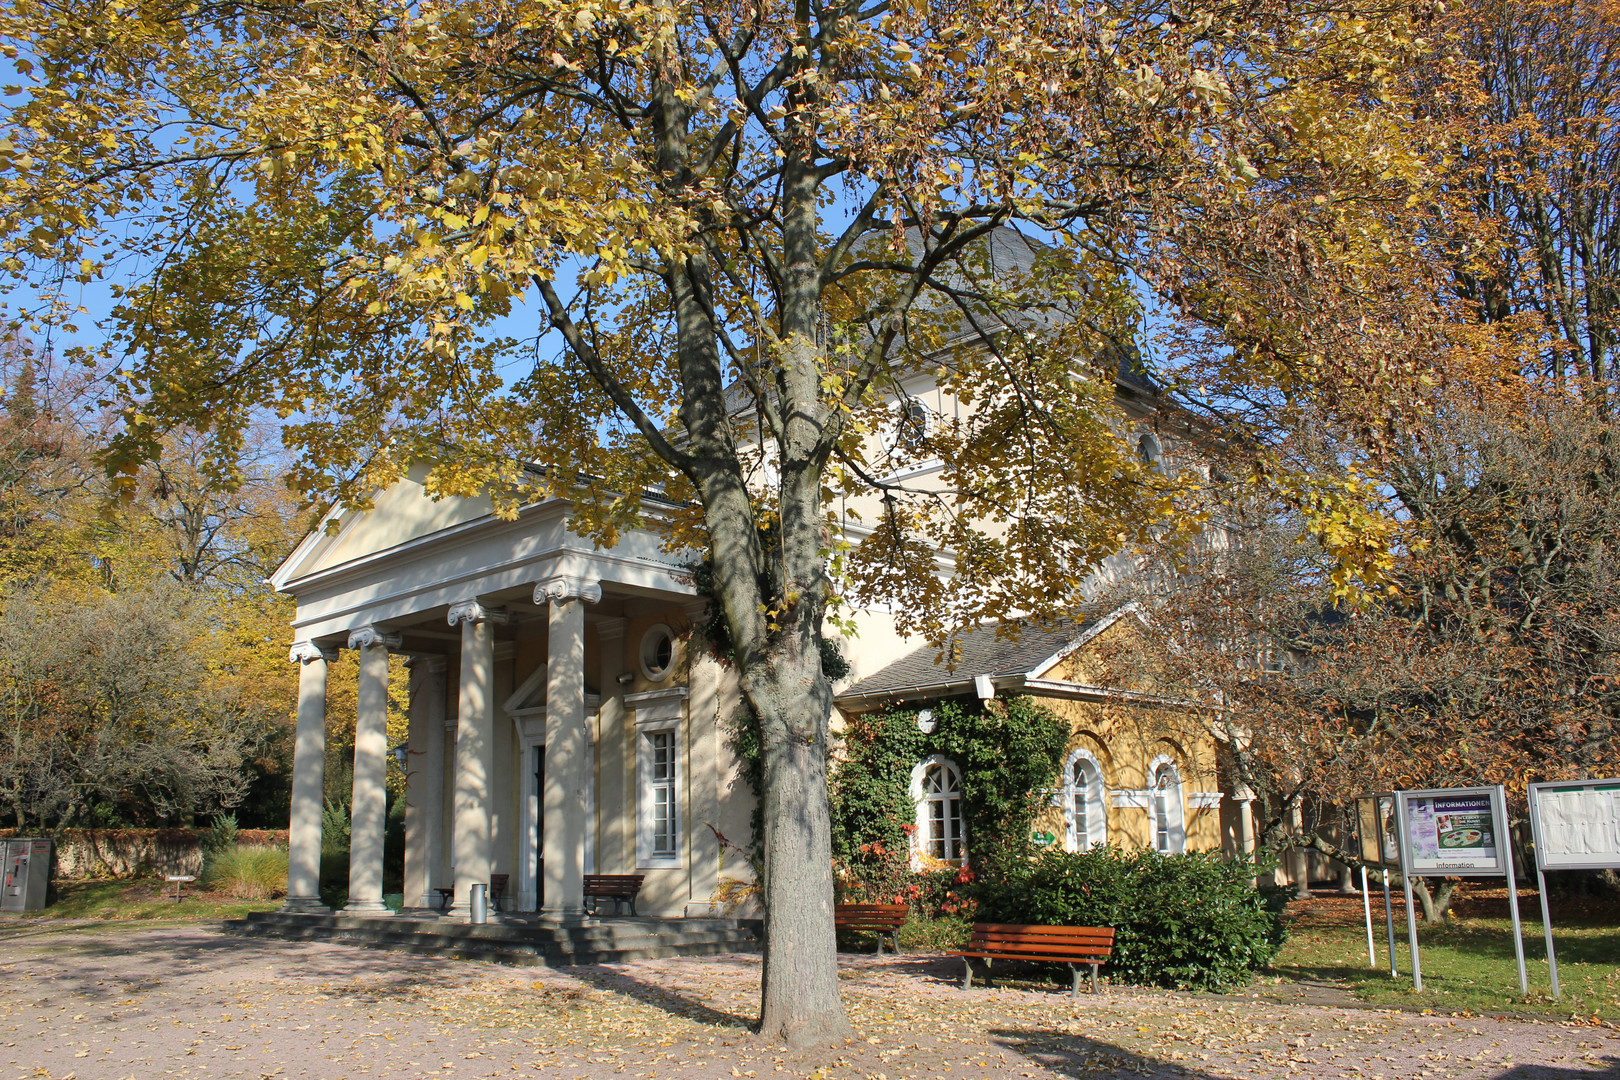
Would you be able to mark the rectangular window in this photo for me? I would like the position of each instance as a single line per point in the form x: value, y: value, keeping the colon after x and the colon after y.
x: 661, y: 788
x: 658, y: 839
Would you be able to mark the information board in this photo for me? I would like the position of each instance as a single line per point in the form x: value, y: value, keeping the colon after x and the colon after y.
x: 1576, y: 825
x: 1456, y: 832
x: 1376, y: 833
x: 1453, y: 833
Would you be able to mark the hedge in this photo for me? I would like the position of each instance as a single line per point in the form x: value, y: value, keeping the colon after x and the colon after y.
x: 1192, y: 921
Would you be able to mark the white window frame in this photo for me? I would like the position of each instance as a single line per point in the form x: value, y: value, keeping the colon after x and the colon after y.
x: 1095, y: 793
x: 921, y: 844
x: 1166, y: 807
x: 659, y: 710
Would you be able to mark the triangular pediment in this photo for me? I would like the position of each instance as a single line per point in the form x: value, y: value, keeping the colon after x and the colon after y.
x: 1115, y: 654
x: 399, y: 514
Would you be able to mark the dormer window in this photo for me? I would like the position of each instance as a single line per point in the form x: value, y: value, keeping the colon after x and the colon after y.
x: 1150, y: 451
x: 912, y: 430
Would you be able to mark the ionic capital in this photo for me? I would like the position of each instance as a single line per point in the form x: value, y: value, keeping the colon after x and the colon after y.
x: 307, y: 652
x: 474, y: 611
x: 370, y: 637
x: 568, y: 587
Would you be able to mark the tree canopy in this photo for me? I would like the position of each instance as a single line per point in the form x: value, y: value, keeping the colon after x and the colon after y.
x: 602, y: 247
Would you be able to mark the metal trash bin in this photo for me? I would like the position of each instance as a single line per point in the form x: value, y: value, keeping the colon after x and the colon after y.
x: 27, y: 873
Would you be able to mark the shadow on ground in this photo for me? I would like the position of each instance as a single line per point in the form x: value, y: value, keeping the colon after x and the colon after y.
x: 100, y: 968
x: 1075, y: 1055
x: 665, y: 998
x: 1551, y: 1072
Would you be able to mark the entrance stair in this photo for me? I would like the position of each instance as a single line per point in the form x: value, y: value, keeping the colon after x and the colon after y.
x: 512, y: 940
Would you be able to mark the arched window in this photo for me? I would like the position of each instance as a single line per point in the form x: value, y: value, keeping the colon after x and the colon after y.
x: 1169, y: 824
x: 936, y: 786
x: 1084, y: 808
x: 913, y: 425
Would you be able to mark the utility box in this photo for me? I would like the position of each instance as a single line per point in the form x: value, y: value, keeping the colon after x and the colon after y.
x: 27, y: 872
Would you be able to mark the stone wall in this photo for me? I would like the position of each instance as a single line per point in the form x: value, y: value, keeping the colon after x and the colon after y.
x: 104, y: 853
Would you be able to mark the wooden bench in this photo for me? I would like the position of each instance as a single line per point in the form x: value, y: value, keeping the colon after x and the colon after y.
x: 884, y: 920
x: 497, y: 889
x: 616, y: 887
x: 1072, y: 945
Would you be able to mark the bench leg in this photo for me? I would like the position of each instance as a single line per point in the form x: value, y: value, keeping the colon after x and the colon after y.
x: 1093, y: 978
x: 1074, y: 979
x: 967, y: 973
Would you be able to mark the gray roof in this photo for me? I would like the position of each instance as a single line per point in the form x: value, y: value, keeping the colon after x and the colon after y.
x: 978, y: 651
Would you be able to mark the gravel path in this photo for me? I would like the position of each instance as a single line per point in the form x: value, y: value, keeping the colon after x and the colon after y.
x: 106, y: 1001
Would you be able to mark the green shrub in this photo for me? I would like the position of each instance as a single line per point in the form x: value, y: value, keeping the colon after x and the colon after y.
x: 221, y: 835
x: 935, y: 935
x: 1192, y: 921
x: 248, y: 872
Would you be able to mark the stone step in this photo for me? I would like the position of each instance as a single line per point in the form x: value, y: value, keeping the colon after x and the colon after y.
x: 595, y: 929
x: 552, y: 945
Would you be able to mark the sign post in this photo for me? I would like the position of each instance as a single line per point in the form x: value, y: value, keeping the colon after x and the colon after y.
x: 1380, y: 847
x: 1456, y: 832
x: 1575, y: 826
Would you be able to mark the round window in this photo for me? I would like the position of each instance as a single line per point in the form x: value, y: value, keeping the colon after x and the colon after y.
x: 658, y: 652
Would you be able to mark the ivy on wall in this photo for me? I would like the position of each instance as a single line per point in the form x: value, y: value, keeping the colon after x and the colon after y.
x: 1009, y: 751
x: 742, y: 728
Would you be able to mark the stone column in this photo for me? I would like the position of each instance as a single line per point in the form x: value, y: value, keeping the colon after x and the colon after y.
x: 475, y: 750
x: 1301, y: 859
x: 616, y: 804
x: 309, y: 782
x: 369, y: 808
x: 424, y: 783
x: 566, y: 754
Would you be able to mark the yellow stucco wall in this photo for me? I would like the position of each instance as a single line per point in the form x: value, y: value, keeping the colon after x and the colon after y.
x: 1126, y: 737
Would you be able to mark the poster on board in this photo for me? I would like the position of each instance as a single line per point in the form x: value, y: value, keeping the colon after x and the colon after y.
x: 1576, y: 825
x: 1452, y: 832
x: 1378, y: 839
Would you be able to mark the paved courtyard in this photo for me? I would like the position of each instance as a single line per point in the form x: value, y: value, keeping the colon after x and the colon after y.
x: 92, y: 1002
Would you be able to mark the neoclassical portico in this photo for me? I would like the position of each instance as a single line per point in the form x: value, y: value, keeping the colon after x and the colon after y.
x: 538, y: 667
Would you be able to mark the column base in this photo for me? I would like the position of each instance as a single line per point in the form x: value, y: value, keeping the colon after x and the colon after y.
x: 304, y: 905
x: 568, y: 916
x: 368, y: 908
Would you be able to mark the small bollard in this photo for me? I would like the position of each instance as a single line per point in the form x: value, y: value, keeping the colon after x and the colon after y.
x: 478, y: 904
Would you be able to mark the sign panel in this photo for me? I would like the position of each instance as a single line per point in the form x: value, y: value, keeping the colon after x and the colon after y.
x: 1576, y: 824
x: 1376, y: 834
x: 1453, y: 832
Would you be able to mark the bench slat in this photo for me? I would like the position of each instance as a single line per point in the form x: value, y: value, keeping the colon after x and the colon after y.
x: 1032, y: 950
x: 1052, y: 942
x: 1021, y: 956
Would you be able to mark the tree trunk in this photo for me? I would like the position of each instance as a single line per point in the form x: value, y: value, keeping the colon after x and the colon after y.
x: 801, y: 1004
x: 1435, y: 905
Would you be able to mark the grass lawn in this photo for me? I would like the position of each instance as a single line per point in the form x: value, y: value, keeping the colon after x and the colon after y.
x: 142, y: 899
x: 1467, y: 965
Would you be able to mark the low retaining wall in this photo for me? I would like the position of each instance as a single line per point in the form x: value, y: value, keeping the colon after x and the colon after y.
x: 103, y: 853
